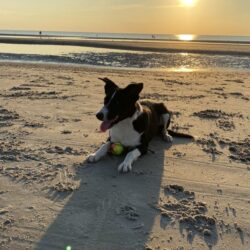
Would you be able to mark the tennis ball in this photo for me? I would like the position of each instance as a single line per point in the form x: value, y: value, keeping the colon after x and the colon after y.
x: 116, y: 148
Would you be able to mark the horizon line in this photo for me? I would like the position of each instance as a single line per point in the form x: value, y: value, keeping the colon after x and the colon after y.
x: 132, y: 33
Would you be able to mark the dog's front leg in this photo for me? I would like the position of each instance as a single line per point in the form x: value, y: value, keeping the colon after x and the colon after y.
x: 101, y: 152
x: 132, y: 156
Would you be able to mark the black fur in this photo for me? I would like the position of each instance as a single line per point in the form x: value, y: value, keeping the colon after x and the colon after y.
x: 110, y: 86
x: 149, y: 122
x: 123, y: 102
x: 177, y: 134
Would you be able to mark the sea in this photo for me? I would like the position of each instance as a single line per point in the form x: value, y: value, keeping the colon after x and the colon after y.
x: 114, y: 58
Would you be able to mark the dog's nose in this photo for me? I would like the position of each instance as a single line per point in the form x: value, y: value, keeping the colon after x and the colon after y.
x: 100, y: 116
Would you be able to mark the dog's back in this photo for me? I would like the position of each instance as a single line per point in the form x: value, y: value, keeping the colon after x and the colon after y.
x: 156, y: 112
x: 154, y: 119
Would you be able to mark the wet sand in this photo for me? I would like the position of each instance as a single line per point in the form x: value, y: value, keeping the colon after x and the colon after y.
x: 150, y: 46
x: 189, y: 195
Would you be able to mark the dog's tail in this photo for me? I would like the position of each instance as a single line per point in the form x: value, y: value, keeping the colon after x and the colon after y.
x: 182, y: 135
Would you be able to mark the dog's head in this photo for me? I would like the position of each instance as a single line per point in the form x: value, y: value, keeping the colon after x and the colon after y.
x: 119, y: 103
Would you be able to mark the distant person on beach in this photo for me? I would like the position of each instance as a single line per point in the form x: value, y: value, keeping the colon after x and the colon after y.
x: 40, y: 34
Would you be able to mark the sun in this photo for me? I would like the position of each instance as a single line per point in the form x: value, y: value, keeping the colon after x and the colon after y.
x: 188, y: 3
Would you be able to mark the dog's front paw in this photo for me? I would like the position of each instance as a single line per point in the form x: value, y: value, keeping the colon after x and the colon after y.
x: 125, y: 166
x: 167, y: 138
x: 92, y: 158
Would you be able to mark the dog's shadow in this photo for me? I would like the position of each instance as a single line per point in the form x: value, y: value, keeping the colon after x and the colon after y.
x: 111, y: 210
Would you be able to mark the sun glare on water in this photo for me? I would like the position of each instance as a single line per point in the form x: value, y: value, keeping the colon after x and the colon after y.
x: 186, y: 37
x: 183, y: 70
x: 188, y: 3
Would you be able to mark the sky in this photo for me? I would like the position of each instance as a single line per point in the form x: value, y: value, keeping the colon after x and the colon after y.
x: 205, y: 17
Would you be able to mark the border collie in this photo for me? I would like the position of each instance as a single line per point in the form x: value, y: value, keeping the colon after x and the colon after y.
x: 130, y: 122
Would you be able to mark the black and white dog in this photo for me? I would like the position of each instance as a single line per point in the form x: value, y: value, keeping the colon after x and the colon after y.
x: 130, y: 122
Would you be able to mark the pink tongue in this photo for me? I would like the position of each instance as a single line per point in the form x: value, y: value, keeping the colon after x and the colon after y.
x: 105, y: 126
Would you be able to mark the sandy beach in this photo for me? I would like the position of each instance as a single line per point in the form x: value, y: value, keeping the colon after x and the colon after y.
x: 188, y: 195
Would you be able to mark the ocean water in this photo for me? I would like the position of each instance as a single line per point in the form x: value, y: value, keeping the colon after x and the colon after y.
x: 131, y: 36
x: 121, y: 58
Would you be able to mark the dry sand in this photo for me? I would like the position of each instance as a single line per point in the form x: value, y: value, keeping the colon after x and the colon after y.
x: 189, y: 195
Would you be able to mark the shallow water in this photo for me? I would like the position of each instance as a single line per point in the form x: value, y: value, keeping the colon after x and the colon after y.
x: 120, y: 58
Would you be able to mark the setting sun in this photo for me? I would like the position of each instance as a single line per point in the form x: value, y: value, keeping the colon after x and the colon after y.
x: 188, y: 3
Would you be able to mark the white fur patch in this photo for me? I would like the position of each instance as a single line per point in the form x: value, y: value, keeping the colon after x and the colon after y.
x: 126, y: 165
x: 111, y: 98
x: 124, y: 132
x: 165, y: 119
x: 104, y: 110
x: 166, y: 136
x: 101, y: 152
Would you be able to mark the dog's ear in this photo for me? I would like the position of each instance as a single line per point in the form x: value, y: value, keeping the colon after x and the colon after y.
x: 110, y: 86
x: 134, y: 89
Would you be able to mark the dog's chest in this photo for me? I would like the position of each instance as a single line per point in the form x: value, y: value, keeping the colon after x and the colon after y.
x: 124, y: 133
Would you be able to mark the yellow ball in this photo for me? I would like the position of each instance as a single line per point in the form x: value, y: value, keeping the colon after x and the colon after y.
x: 116, y: 148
